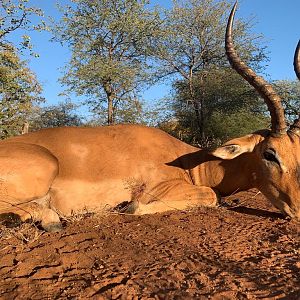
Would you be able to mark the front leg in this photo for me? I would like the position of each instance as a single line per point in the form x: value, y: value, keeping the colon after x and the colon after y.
x: 175, y: 195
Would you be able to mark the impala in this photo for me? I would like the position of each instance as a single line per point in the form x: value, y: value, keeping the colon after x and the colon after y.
x: 141, y: 170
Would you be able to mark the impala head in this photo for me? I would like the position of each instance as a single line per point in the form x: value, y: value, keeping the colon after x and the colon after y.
x: 275, y: 153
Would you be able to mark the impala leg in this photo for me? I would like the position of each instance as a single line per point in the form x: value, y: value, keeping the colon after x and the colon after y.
x: 34, y: 212
x: 26, y: 175
x: 176, y: 195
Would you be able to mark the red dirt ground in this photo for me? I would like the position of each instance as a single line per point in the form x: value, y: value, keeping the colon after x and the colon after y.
x: 245, y: 250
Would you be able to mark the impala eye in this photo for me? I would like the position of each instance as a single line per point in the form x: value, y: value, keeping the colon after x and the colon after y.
x: 270, y: 156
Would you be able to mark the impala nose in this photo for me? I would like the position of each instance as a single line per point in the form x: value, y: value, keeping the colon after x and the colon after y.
x: 296, y: 210
x: 293, y: 213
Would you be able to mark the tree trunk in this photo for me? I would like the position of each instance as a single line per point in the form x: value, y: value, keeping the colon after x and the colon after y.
x: 198, y: 107
x: 198, y: 114
x: 25, y: 128
x: 110, y: 110
x: 110, y: 105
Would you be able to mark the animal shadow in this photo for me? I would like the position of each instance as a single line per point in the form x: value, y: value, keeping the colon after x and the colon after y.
x: 257, y: 212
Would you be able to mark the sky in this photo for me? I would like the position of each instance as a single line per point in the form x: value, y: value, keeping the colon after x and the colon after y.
x: 277, y: 20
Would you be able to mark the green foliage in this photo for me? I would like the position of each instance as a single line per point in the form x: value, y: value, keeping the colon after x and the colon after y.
x: 15, y: 15
x: 230, y: 108
x: 134, y: 112
x: 192, y: 46
x: 192, y: 38
x: 108, y: 43
x: 63, y: 114
x: 223, y: 89
x: 289, y: 92
x: 222, y: 125
x: 19, y: 90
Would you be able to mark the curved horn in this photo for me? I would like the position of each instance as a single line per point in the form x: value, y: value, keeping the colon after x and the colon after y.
x: 297, y: 60
x: 295, y: 127
x: 265, y: 90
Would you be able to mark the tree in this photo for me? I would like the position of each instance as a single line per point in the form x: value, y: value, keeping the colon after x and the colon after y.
x: 19, y: 88
x: 19, y: 91
x: 63, y: 114
x: 16, y: 15
x: 289, y: 92
x: 109, y: 51
x: 231, y: 108
x: 135, y: 112
x: 192, y: 44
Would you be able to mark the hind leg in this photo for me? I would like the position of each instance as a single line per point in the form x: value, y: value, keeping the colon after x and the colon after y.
x: 26, y: 175
x: 34, y: 212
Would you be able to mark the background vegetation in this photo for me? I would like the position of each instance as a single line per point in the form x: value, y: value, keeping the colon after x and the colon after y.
x: 122, y: 47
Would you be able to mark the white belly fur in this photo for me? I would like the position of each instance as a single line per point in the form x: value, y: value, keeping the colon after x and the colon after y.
x: 75, y: 196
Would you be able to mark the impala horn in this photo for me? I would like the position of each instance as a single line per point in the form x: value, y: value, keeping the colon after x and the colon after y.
x: 295, y: 127
x: 265, y: 90
x: 297, y: 60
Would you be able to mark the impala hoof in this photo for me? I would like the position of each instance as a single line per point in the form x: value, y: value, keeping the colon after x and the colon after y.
x: 53, y: 227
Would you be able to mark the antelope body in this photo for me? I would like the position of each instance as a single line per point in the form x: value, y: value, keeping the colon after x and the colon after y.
x: 145, y: 170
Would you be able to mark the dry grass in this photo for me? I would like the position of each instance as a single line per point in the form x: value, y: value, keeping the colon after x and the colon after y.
x: 22, y: 235
x: 75, y: 217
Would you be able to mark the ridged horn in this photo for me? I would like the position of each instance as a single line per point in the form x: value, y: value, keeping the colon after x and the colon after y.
x: 297, y: 60
x: 271, y: 98
x: 295, y: 127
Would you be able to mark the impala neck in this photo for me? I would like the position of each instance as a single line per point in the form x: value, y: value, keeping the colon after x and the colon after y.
x: 226, y: 176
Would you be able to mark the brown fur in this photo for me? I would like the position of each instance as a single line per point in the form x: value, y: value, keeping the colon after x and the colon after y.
x: 67, y: 170
x: 144, y: 170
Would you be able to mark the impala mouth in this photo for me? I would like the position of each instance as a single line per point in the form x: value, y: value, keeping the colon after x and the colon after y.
x: 287, y: 210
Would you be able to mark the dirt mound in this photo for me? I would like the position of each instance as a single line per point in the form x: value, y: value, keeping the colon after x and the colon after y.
x: 246, y: 250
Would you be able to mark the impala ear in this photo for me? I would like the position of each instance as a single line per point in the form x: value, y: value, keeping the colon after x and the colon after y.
x: 228, y: 151
x: 238, y: 146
